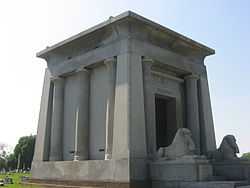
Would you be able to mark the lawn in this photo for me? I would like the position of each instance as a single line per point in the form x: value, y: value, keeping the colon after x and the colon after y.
x: 16, y: 180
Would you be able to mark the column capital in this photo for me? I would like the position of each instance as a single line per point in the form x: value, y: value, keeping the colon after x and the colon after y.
x: 192, y: 76
x: 56, y: 78
x: 109, y: 61
x: 82, y: 69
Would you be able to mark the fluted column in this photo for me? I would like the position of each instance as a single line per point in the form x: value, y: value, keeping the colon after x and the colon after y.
x: 192, y: 108
x: 57, y: 120
x: 82, y: 115
x: 111, y: 71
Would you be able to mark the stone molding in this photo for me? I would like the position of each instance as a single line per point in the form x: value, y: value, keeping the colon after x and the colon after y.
x: 192, y: 76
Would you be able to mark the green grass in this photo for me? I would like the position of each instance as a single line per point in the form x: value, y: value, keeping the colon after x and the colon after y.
x: 16, y: 180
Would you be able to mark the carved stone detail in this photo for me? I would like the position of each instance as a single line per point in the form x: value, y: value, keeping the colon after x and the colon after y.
x: 181, y: 146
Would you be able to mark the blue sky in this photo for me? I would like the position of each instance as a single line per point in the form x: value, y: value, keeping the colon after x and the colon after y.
x: 30, y: 26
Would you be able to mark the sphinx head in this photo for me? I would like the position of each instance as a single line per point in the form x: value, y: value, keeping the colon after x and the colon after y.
x: 229, y: 147
x: 187, y: 136
x: 231, y: 140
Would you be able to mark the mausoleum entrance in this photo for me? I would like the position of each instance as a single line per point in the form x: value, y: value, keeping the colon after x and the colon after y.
x: 166, y: 126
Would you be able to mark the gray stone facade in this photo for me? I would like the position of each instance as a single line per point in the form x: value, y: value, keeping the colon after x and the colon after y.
x: 108, y: 93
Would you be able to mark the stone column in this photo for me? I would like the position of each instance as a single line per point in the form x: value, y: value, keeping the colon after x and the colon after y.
x: 129, y: 139
x: 121, y: 110
x: 44, y: 123
x: 111, y: 71
x: 149, y: 111
x: 82, y: 115
x: 192, y: 109
x: 206, y: 117
x: 57, y: 120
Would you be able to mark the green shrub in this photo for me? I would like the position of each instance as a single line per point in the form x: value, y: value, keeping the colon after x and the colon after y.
x: 246, y: 156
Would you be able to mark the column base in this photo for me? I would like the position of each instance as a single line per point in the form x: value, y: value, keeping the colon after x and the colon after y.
x: 76, y: 158
x: 107, y: 156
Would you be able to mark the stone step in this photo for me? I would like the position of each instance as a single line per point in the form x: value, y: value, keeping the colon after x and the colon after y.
x: 50, y: 185
x: 203, y: 184
x: 217, y: 178
x: 155, y: 184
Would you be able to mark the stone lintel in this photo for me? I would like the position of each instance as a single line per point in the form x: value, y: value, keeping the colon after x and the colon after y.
x: 96, y: 56
x: 109, y: 60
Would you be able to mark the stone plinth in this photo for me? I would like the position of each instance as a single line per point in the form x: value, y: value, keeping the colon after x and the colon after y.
x: 185, y: 169
x: 95, y: 170
x: 233, y: 169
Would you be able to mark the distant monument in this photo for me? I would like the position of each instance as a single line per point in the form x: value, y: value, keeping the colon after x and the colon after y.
x: 117, y: 99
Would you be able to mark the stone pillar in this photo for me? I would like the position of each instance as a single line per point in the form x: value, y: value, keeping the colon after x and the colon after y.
x: 137, y: 128
x: 129, y: 136
x: 44, y: 123
x: 149, y: 111
x: 82, y: 114
x: 111, y: 71
x: 121, y: 111
x: 208, y: 142
x: 57, y: 120
x: 192, y: 109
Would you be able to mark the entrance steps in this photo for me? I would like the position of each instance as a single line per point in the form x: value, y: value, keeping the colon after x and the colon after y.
x: 203, y: 184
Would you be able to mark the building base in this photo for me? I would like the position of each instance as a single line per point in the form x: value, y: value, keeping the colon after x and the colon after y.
x: 92, y: 170
x: 187, y: 172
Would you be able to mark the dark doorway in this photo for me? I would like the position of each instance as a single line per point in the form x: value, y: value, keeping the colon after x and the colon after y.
x: 165, y: 113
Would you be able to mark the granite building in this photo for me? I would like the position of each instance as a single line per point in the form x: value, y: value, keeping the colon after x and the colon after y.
x: 116, y: 93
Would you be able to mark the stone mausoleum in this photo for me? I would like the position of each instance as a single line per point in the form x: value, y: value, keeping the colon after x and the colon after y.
x: 113, y: 96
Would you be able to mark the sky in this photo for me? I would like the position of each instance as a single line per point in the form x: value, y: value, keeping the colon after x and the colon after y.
x: 29, y: 26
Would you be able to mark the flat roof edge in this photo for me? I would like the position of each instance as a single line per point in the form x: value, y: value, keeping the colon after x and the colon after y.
x: 209, y: 51
x: 85, y: 32
x: 186, y: 39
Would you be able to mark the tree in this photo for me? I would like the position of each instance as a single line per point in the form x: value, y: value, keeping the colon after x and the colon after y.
x: 11, y: 161
x: 246, y: 156
x: 25, y: 148
x: 3, y: 164
x: 3, y: 154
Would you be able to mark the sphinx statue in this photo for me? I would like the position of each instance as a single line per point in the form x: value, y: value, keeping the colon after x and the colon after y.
x: 227, y: 151
x: 182, y: 145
